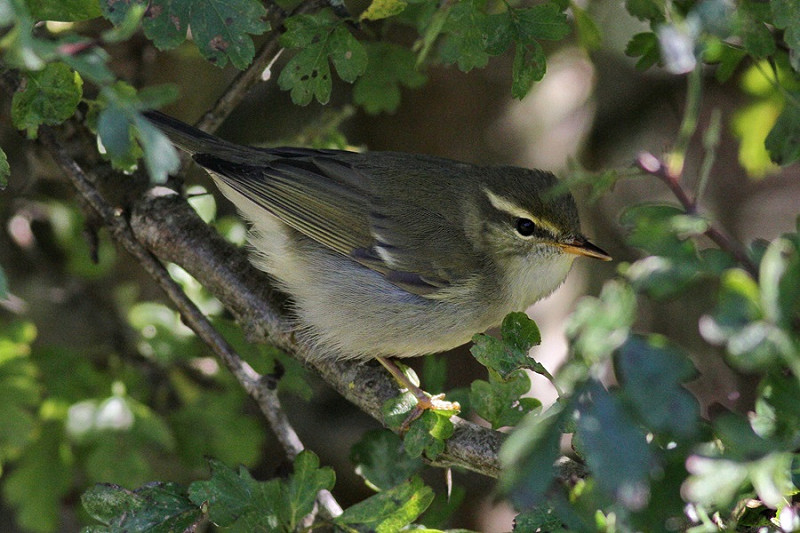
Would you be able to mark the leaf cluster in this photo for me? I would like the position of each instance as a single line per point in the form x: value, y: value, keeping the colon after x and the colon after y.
x: 727, y: 35
x: 647, y: 450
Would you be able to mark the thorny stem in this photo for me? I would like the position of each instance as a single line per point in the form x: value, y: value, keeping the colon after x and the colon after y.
x: 670, y: 171
x: 251, y: 381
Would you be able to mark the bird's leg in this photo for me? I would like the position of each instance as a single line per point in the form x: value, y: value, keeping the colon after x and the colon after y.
x: 424, y: 400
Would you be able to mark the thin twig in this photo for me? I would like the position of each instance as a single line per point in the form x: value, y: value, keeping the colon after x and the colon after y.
x: 676, y: 159
x: 655, y: 167
x: 251, y: 381
x: 245, y: 80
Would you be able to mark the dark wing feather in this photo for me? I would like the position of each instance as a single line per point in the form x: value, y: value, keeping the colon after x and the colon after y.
x: 330, y: 211
x: 364, y: 206
x: 327, y: 198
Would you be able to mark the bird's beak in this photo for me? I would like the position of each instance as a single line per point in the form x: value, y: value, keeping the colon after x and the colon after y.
x: 581, y: 246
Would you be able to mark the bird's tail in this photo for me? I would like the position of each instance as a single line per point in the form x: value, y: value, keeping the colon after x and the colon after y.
x: 197, y: 142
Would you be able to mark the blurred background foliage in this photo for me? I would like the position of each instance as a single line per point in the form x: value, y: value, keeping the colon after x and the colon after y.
x: 101, y: 382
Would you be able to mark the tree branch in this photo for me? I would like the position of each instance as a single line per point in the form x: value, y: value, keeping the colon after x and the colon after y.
x: 655, y: 167
x: 258, y: 388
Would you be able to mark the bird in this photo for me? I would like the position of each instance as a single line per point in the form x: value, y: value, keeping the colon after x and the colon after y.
x: 390, y: 254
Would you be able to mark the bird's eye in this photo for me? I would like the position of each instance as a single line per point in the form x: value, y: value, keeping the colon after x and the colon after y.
x: 525, y: 227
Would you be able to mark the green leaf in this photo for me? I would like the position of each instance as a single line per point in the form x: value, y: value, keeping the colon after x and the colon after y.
x: 647, y: 10
x: 5, y: 172
x: 500, y: 32
x: 786, y: 16
x: 41, y: 477
x: 64, y: 10
x: 380, y: 459
x: 729, y: 61
x: 467, y: 36
x: 543, y: 21
x: 3, y: 282
x: 652, y: 374
x: 622, y: 472
x: 20, y: 391
x: 657, y: 229
x: 160, y: 157
x: 783, y: 140
x: 238, y: 498
x: 740, y: 441
x: 389, y: 510
x: 381, y: 9
x: 301, y: 490
x: 389, y: 66
x: 397, y: 409
x: 430, y: 32
x: 541, y: 518
x: 500, y: 403
x: 739, y: 304
x: 156, y: 507
x: 246, y: 504
x: 125, y: 29
x: 221, y: 29
x: 520, y: 334
x: 779, y: 281
x: 589, y: 34
x: 645, y: 47
x: 738, y: 321
x: 598, y: 326
x: 751, y: 125
x: 214, y: 424
x: 49, y: 96
x: 120, y: 122
x: 662, y: 277
x: 528, y: 67
x: 718, y: 481
x: 307, y: 75
x: 529, y: 454
x: 780, y: 392
x: 427, y: 434
x: 756, y: 36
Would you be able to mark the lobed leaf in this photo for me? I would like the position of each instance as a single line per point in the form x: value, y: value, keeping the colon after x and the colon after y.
x: 500, y: 402
x: 41, y: 477
x: 652, y: 374
x: 47, y: 97
x: 64, y: 10
x: 154, y: 508
x: 520, y: 334
x: 307, y: 75
x: 529, y: 454
x: 389, y: 510
x: 221, y: 29
x: 783, y: 140
x: 427, y: 434
x: 380, y: 459
x: 622, y: 472
x: 388, y: 67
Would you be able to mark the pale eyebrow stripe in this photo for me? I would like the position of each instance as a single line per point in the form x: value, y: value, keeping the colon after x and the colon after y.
x: 504, y: 204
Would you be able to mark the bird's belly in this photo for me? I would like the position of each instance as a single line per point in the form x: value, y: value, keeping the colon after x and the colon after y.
x: 354, y: 312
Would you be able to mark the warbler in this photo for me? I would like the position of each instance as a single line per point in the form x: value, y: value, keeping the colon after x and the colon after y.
x: 389, y: 254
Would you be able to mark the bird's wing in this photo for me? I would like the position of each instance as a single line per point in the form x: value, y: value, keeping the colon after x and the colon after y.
x: 344, y: 206
x: 306, y: 193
